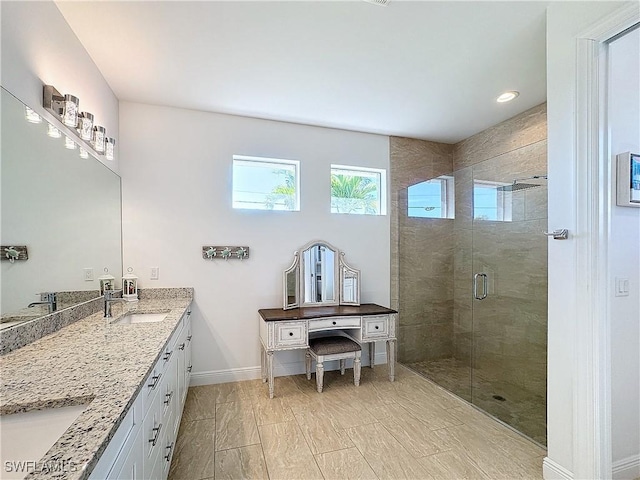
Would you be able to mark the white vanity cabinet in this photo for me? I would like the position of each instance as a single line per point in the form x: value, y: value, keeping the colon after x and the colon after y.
x: 143, y: 445
x: 291, y: 329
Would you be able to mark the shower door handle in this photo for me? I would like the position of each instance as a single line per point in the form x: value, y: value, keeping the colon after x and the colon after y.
x: 484, y: 286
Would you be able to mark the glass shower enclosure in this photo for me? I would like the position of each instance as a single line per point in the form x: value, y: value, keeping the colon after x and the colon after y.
x: 473, y: 281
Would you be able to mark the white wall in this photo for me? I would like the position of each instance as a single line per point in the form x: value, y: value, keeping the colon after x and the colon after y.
x: 624, y: 254
x: 38, y: 48
x: 565, y: 21
x: 177, y: 170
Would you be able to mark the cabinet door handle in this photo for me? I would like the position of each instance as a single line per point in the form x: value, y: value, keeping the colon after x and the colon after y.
x: 156, y: 379
x: 291, y: 334
x: 335, y: 323
x: 181, y: 347
x: 189, y: 338
x: 377, y: 327
x: 189, y: 368
x: 167, y: 457
x: 167, y: 398
x: 167, y: 355
x: 156, y: 434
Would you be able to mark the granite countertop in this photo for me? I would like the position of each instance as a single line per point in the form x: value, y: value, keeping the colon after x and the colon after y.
x: 88, y: 362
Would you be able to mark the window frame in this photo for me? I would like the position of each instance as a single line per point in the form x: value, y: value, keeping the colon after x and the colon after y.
x: 275, y: 163
x: 504, y: 202
x: 382, y: 187
x: 447, y: 197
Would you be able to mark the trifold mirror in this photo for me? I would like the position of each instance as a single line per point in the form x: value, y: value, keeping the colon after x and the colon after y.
x: 320, y: 276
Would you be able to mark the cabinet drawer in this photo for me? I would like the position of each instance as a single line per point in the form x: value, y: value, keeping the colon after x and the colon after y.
x: 291, y: 334
x: 333, y: 322
x: 153, y: 427
x: 375, y: 327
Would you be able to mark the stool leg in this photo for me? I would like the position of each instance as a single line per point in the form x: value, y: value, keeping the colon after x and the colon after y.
x: 356, y: 369
x: 308, y: 365
x: 319, y: 373
x: 342, y: 366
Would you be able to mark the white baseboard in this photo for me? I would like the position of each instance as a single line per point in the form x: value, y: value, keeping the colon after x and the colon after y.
x: 213, y: 377
x: 627, y: 468
x: 554, y: 471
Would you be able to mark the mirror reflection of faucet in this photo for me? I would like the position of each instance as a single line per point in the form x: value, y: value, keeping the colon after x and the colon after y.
x: 47, y: 298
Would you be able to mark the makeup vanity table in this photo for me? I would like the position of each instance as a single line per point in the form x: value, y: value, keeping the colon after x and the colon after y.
x: 322, y: 297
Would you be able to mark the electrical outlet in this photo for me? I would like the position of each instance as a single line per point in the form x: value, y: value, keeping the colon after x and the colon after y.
x: 155, y: 273
x: 88, y: 274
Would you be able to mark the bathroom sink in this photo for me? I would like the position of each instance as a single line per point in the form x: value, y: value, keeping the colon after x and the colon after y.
x: 26, y: 437
x: 131, y: 318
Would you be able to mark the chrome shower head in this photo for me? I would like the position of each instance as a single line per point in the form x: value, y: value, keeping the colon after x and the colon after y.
x: 519, y: 185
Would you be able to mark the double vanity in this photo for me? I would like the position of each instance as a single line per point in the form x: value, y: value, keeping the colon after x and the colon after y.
x: 129, y: 377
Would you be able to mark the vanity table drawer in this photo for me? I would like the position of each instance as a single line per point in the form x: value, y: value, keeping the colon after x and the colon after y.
x: 333, y: 322
x: 375, y: 326
x: 291, y: 334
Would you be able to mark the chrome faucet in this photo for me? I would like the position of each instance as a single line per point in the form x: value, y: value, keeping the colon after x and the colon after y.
x: 47, y: 298
x: 109, y: 299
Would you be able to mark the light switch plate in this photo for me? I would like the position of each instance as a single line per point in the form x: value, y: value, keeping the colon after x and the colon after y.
x: 622, y: 287
x: 155, y: 273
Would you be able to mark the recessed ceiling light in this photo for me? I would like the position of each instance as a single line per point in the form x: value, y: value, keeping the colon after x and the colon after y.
x: 507, y: 96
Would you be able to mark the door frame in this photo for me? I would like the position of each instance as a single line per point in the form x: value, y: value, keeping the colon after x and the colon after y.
x: 592, y: 446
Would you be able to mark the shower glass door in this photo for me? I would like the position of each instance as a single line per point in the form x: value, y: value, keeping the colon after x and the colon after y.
x: 509, y: 288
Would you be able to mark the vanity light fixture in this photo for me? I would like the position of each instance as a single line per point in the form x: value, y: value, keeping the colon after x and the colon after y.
x: 66, y: 109
x: 110, y: 144
x: 69, y: 143
x: 99, y: 135
x: 53, y: 132
x: 70, y: 111
x: 507, y: 96
x: 31, y: 115
x: 85, y: 126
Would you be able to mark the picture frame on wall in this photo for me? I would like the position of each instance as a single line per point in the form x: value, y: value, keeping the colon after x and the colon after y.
x: 628, y: 180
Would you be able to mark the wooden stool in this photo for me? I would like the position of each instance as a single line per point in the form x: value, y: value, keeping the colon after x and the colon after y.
x: 333, y: 348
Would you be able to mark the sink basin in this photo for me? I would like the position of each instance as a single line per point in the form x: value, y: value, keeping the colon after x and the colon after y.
x: 131, y: 318
x: 26, y: 437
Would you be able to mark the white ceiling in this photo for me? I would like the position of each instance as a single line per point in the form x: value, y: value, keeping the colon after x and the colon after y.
x: 429, y: 70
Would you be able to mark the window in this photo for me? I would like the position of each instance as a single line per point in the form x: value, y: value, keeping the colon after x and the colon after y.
x: 358, y: 190
x: 491, y: 203
x: 434, y: 198
x: 266, y: 183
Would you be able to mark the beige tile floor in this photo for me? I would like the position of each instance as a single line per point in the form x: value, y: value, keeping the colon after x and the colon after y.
x: 408, y: 429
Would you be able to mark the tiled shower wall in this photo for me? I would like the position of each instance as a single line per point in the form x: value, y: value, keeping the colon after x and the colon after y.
x: 421, y: 255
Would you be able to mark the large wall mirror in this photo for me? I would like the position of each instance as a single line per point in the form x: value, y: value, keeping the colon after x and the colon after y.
x: 65, y: 209
x: 320, y: 276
